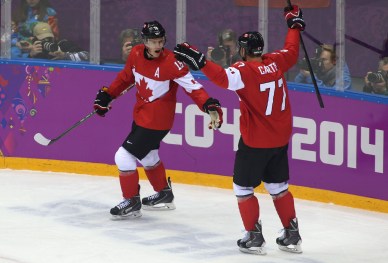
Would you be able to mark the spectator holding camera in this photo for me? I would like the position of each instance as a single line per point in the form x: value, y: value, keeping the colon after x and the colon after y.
x: 377, y: 82
x: 226, y: 53
x: 44, y: 46
x: 324, y: 67
x: 128, y: 39
x: 31, y: 12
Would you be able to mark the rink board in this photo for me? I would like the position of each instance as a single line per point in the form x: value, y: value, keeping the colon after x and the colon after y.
x: 341, y: 148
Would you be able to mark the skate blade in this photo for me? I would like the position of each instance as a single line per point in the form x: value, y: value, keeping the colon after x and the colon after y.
x: 132, y: 215
x: 254, y: 250
x: 159, y: 207
x: 292, y: 248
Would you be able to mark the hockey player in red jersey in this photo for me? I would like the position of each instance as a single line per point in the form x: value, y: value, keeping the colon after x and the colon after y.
x: 265, y: 126
x: 156, y: 74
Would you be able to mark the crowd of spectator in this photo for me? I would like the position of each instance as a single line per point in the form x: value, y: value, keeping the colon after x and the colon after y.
x: 35, y: 34
x: 24, y: 19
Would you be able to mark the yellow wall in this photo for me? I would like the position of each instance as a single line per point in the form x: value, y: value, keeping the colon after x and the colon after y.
x: 99, y: 169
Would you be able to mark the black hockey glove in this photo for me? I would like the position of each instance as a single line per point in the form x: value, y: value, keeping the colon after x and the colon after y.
x: 102, y: 101
x: 213, y: 108
x: 294, y: 17
x: 190, y: 55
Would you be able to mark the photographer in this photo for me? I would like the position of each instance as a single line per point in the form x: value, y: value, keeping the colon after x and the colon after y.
x: 324, y: 68
x: 28, y: 13
x: 45, y: 47
x: 226, y: 53
x: 377, y: 82
x: 128, y: 39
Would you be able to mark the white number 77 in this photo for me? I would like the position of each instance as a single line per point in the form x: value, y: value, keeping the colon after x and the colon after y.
x: 271, y: 86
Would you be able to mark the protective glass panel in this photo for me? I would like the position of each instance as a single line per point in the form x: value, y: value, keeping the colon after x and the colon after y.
x: 320, y: 18
x: 52, y: 30
x: 213, y: 26
x: 118, y: 16
x: 367, y: 45
x: 5, y: 29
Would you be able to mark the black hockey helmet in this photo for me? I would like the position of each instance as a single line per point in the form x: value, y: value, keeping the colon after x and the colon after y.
x: 152, y: 29
x: 252, y: 42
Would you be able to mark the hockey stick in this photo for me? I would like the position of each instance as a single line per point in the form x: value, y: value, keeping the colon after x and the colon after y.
x: 309, y: 65
x: 42, y: 140
x: 39, y: 138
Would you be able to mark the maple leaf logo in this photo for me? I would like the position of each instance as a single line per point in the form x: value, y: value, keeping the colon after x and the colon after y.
x: 144, y: 91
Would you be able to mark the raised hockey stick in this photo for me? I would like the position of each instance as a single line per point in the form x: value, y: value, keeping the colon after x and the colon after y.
x: 309, y: 65
x: 42, y: 140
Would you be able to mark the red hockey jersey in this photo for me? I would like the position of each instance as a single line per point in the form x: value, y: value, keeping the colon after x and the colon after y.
x: 265, y: 120
x: 156, y: 81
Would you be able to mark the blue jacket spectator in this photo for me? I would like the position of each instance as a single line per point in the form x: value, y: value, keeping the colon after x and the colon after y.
x: 30, y: 13
x: 325, y: 70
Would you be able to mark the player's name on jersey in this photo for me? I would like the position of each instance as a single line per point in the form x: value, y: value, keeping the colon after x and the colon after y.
x: 271, y: 68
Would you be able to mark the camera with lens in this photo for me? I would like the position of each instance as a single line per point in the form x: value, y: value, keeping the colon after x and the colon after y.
x: 376, y: 77
x: 137, y: 41
x: 316, y: 64
x: 220, y: 53
x: 134, y: 42
x: 49, y: 46
x: 316, y: 61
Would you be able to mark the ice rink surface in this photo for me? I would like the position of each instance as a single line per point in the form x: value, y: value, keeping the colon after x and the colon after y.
x: 57, y: 217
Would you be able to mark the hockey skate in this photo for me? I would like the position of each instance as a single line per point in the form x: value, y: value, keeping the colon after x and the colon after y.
x: 128, y: 208
x: 253, y: 242
x: 162, y: 200
x: 290, y: 240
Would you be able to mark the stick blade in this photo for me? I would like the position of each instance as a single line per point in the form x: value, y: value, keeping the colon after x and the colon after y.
x: 39, y: 138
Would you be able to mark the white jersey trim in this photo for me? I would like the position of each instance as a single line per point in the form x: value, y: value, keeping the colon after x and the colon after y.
x: 234, y: 79
x: 188, y: 82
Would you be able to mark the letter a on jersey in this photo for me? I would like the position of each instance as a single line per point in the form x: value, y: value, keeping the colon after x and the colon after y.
x: 156, y: 75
